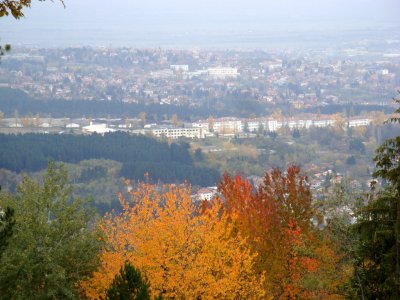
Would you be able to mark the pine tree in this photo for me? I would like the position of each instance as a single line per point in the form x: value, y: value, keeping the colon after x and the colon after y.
x: 128, y: 285
x: 6, y: 227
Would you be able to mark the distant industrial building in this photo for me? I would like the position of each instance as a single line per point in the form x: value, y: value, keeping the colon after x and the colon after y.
x: 96, y: 128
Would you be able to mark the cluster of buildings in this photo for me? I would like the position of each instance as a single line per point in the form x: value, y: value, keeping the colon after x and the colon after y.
x: 229, y: 126
x: 209, y: 78
x: 201, y: 129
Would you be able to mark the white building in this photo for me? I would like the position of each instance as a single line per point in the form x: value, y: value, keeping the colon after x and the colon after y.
x: 16, y: 125
x: 45, y: 125
x: 227, y: 125
x: 221, y: 125
x: 183, y: 68
x: 359, y: 122
x: 198, y: 73
x: 231, y: 125
x: 206, y: 193
x: 162, y: 74
x: 175, y: 133
x: 96, y: 128
x: 254, y: 125
x: 72, y: 125
x: 223, y: 72
x: 205, y: 124
x: 323, y: 123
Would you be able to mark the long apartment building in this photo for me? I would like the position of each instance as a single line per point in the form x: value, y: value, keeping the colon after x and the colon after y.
x: 223, y: 72
x: 236, y: 125
x: 175, y: 133
x: 221, y: 125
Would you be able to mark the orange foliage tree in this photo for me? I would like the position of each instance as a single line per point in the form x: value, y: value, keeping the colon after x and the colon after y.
x: 183, y: 254
x: 276, y: 219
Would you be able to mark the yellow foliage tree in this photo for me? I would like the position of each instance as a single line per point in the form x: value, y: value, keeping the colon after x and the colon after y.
x: 175, y: 119
x: 184, y: 255
x: 340, y: 122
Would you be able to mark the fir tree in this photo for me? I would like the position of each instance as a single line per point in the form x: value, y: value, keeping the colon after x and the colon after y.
x: 6, y: 227
x: 128, y: 285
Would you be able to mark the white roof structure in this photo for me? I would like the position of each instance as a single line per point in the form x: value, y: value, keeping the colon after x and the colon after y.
x: 72, y: 125
x: 97, y: 128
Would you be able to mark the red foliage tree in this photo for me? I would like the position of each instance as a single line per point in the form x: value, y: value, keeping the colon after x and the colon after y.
x: 276, y: 218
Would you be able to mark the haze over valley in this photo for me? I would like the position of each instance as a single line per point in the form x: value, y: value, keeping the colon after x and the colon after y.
x: 200, y: 149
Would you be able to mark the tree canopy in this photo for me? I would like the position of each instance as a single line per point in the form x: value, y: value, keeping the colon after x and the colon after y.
x: 377, y: 264
x: 52, y: 246
x: 298, y: 261
x: 185, y: 255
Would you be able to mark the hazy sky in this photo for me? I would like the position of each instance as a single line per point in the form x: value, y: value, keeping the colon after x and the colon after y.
x: 85, y: 21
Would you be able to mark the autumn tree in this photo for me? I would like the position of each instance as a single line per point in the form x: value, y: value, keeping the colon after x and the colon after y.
x: 52, y: 247
x: 15, y: 7
x: 183, y: 254
x: 175, y: 120
x: 27, y: 120
x: 142, y: 117
x: 210, y: 121
x: 276, y: 219
x: 277, y: 115
x: 128, y: 123
x: 340, y: 122
x: 36, y: 120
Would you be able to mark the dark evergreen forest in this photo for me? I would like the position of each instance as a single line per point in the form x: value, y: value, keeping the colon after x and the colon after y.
x: 138, y: 154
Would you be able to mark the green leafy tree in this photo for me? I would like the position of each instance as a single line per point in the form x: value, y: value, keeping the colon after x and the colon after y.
x: 53, y: 246
x: 129, y: 285
x: 377, y: 268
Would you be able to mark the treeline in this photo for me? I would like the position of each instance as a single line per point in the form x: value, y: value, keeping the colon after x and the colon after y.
x: 138, y: 154
x: 348, y: 110
x: 15, y: 102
